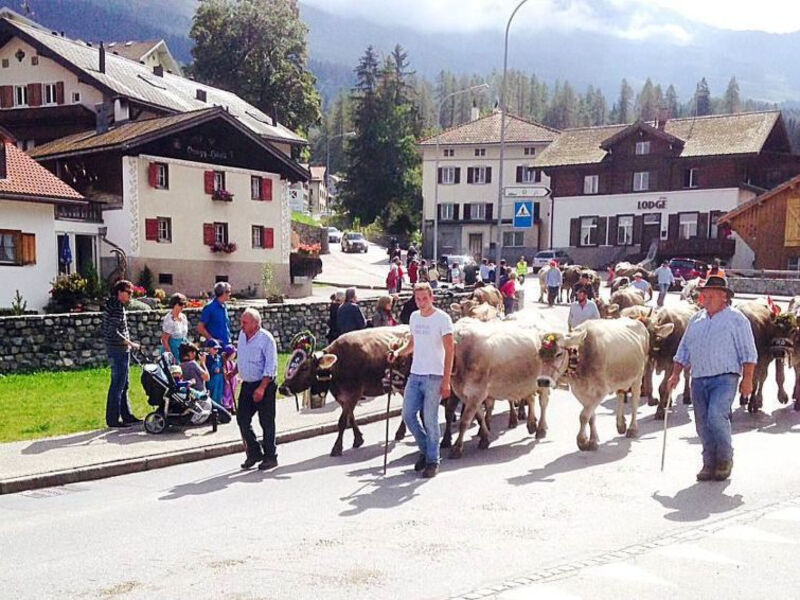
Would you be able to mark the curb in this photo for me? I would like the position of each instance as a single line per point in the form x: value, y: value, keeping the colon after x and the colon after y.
x: 168, y: 459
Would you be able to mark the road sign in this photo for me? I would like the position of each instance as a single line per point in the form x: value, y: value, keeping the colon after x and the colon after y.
x: 537, y: 191
x: 523, y: 214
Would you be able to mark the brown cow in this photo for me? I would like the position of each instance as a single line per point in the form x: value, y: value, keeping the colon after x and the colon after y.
x: 474, y: 309
x: 794, y: 309
x: 609, y: 356
x: 488, y: 294
x: 763, y: 326
x: 624, y: 298
x: 626, y: 269
x: 571, y: 275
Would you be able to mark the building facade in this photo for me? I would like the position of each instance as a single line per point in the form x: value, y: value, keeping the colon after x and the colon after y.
x: 468, y: 185
x: 621, y: 192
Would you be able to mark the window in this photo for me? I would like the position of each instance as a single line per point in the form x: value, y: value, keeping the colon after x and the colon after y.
x: 588, y: 231
x: 17, y: 248
x: 5, y: 63
x: 513, y: 239
x: 687, y: 226
x: 713, y: 231
x: 642, y: 148
x: 164, y: 230
x: 257, y: 236
x: 446, y: 211
x: 49, y: 93
x: 530, y: 151
x: 480, y: 151
x: 165, y: 278
x: 220, y: 233
x: 34, y: 60
x: 531, y: 175
x: 159, y: 175
x: 690, y: 178
x: 591, y: 184
x: 794, y: 263
x: 20, y: 95
x: 477, y: 211
x: 641, y: 181
x: 448, y: 175
x: 625, y: 230
x: 255, y: 189
x: 219, y: 180
x: 449, y: 152
x: 221, y: 279
x: 76, y: 97
x: 8, y: 247
x: 479, y: 175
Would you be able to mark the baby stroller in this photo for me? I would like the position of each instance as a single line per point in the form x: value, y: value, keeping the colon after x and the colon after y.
x: 176, y: 406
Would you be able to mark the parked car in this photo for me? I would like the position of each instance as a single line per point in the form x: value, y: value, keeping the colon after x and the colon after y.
x: 687, y: 268
x: 334, y: 235
x: 354, y: 242
x: 543, y: 258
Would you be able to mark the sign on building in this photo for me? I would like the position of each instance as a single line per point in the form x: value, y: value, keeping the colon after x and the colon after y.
x: 523, y: 214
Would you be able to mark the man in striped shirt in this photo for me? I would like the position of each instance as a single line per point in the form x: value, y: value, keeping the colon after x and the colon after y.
x: 718, y: 347
x: 118, y: 346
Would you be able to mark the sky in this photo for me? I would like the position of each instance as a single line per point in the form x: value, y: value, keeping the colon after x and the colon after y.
x: 626, y: 18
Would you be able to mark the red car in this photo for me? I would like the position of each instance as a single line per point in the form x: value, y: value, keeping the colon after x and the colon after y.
x: 687, y: 268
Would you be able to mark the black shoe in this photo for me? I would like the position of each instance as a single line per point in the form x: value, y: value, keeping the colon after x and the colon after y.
x: 268, y: 463
x: 430, y: 470
x: 706, y: 473
x: 723, y: 470
x: 120, y: 425
x: 420, y: 464
x: 250, y: 462
x: 132, y: 421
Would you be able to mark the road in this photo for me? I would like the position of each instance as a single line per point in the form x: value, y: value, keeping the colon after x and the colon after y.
x: 522, y: 519
x: 356, y: 269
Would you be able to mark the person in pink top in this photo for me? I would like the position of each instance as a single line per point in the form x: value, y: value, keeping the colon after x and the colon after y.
x: 231, y: 379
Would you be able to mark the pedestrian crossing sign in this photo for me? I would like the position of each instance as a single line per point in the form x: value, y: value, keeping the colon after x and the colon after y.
x: 523, y: 214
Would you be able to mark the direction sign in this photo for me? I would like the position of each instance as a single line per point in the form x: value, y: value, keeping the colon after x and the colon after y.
x: 523, y: 214
x: 538, y: 191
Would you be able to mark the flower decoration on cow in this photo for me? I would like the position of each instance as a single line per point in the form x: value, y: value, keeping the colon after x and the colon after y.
x: 549, y: 346
x: 302, y: 345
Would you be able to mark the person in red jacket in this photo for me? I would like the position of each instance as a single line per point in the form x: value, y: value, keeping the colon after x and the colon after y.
x: 413, y: 269
x: 509, y: 292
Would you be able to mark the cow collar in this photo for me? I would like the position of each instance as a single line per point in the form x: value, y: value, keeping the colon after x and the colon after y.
x: 322, y: 375
x: 572, y: 361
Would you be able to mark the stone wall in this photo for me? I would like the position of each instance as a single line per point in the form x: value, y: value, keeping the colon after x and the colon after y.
x: 764, y: 285
x: 307, y: 234
x: 73, y: 341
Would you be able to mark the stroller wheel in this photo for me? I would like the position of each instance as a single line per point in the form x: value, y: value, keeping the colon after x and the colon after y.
x: 155, y: 422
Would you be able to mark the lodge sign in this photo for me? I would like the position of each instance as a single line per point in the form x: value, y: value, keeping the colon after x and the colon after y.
x: 659, y: 204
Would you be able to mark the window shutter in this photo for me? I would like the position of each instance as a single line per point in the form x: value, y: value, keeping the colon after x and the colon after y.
x: 59, y: 92
x: 613, y: 234
x: 488, y: 174
x: 537, y: 176
x: 439, y: 175
x: 489, y: 211
x: 455, y: 212
x: 266, y: 189
x: 28, y: 249
x: 208, y: 182
x: 574, y: 231
x: 208, y: 234
x: 35, y: 94
x: 536, y: 212
x: 439, y: 212
x: 637, y: 229
x: 6, y: 96
x: 458, y: 176
x: 602, y: 224
x: 151, y: 230
x: 519, y: 174
x: 470, y: 175
x: 152, y: 174
x: 702, y: 225
x: 269, y: 237
x: 674, y: 223
x: 467, y: 211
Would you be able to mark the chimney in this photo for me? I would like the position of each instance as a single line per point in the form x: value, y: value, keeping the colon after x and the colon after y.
x: 102, y: 58
x: 663, y: 117
x: 158, y: 70
x: 103, y: 117
x: 3, y: 168
x: 201, y: 95
x: 475, y: 112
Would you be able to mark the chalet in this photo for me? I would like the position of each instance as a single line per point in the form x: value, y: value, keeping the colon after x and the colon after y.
x: 621, y: 191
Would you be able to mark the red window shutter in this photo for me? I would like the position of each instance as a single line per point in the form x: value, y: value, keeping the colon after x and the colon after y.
x: 208, y: 234
x: 152, y: 174
x: 6, y: 96
x: 269, y: 237
x: 35, y: 94
x: 208, y: 180
x: 28, y: 253
x: 59, y: 92
x: 266, y: 189
x: 151, y: 230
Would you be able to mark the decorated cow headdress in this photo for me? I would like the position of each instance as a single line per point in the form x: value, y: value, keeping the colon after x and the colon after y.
x: 302, y: 346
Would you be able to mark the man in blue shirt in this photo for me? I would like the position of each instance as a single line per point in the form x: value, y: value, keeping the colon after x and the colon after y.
x: 718, y: 347
x: 349, y: 317
x: 665, y: 280
x: 553, y: 279
x: 214, y: 321
x: 257, y: 365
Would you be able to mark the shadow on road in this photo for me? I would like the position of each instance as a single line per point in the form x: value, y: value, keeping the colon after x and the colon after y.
x: 699, y: 501
x: 132, y: 435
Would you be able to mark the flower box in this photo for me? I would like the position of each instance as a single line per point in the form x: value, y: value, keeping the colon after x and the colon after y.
x: 222, y: 195
x: 227, y: 248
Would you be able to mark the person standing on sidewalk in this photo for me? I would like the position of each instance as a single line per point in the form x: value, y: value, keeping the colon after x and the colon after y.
x: 118, y: 347
x: 717, y: 347
x: 431, y: 343
x: 665, y: 280
x: 350, y: 317
x: 257, y: 366
x: 553, y: 279
x: 215, y: 324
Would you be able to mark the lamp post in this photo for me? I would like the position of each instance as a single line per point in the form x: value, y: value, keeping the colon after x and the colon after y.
x: 503, y: 145
x: 328, y: 156
x: 474, y: 88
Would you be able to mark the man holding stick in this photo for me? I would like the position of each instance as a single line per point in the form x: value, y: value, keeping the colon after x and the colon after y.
x: 431, y: 343
x: 718, y: 347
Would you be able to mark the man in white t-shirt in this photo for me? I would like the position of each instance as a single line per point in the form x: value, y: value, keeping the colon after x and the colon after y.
x: 432, y: 345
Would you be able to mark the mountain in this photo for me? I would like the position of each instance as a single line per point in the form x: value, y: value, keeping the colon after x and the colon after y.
x: 765, y: 64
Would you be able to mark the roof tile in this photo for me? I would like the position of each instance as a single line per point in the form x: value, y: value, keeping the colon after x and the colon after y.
x: 486, y: 130
x: 26, y: 177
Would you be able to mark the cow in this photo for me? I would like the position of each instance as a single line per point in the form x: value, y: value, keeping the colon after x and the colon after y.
x: 597, y: 358
x: 762, y: 324
x: 542, y: 275
x: 619, y: 282
x: 623, y: 298
x: 488, y: 294
x: 352, y: 367
x: 497, y: 359
x: 794, y: 309
x: 571, y: 275
x: 470, y: 307
x: 626, y: 269
x: 690, y: 291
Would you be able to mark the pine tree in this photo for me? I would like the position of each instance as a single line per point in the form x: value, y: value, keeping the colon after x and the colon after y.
x: 625, y: 103
x: 702, y: 99
x: 671, y: 102
x: 646, y: 103
x: 732, y: 103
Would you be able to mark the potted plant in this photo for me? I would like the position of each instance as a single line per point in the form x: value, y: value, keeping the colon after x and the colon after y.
x: 222, y: 195
x: 226, y: 247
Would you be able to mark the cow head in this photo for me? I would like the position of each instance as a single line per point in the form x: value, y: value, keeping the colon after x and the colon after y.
x: 306, y: 371
x: 475, y: 309
x: 608, y: 311
x: 658, y: 333
x: 786, y: 333
x: 555, y: 353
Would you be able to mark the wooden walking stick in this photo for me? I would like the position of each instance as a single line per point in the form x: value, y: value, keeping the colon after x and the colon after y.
x: 666, y: 418
x: 393, y: 348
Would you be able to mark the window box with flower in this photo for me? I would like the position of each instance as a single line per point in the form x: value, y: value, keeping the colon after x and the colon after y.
x: 222, y: 195
x: 226, y: 247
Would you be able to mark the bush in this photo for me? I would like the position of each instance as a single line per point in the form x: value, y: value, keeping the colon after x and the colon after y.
x: 95, y: 288
x: 68, y: 292
x: 146, y: 280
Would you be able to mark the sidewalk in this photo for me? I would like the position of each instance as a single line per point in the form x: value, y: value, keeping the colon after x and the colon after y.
x: 109, y: 452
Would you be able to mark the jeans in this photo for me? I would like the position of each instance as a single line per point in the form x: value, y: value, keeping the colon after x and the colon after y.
x: 117, y: 403
x: 423, y: 393
x: 662, y: 293
x: 266, y: 417
x: 712, y: 398
x: 552, y: 293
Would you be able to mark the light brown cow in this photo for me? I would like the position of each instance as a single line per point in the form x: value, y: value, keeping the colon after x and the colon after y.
x: 470, y: 307
x: 626, y: 269
x: 624, y: 298
x: 610, y: 357
x: 488, y: 294
x: 497, y: 359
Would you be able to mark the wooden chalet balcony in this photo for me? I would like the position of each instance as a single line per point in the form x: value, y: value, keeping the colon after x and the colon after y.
x: 88, y: 213
x: 723, y: 248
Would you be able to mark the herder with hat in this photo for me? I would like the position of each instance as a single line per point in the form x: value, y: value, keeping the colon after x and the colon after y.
x: 718, y: 347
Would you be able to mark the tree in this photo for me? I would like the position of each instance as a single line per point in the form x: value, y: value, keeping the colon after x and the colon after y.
x: 732, y: 103
x: 702, y: 99
x: 624, y: 107
x: 647, y: 102
x: 257, y: 49
x: 671, y: 102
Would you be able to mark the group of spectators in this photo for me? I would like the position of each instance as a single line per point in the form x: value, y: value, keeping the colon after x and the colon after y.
x: 345, y: 315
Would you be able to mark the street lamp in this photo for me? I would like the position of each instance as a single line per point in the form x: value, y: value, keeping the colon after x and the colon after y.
x: 474, y: 88
x: 503, y: 145
x: 328, y: 156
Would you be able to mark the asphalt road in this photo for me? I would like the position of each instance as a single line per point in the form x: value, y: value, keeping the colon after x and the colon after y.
x: 524, y: 511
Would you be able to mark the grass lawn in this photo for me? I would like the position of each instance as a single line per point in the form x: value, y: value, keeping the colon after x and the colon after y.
x: 304, y: 218
x: 40, y: 405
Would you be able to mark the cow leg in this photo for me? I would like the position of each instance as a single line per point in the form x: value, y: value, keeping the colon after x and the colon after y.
x: 687, y: 386
x: 521, y: 411
x: 593, y: 437
x: 449, y: 419
x: 513, y: 418
x: 489, y: 409
x: 621, y: 426
x: 483, y: 430
x: 467, y: 414
x: 342, y: 425
x: 587, y: 417
x: 544, y: 398
x: 780, y: 377
x: 401, y: 431
x: 358, y: 439
x: 633, y: 428
x: 647, y: 383
x: 756, y: 398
